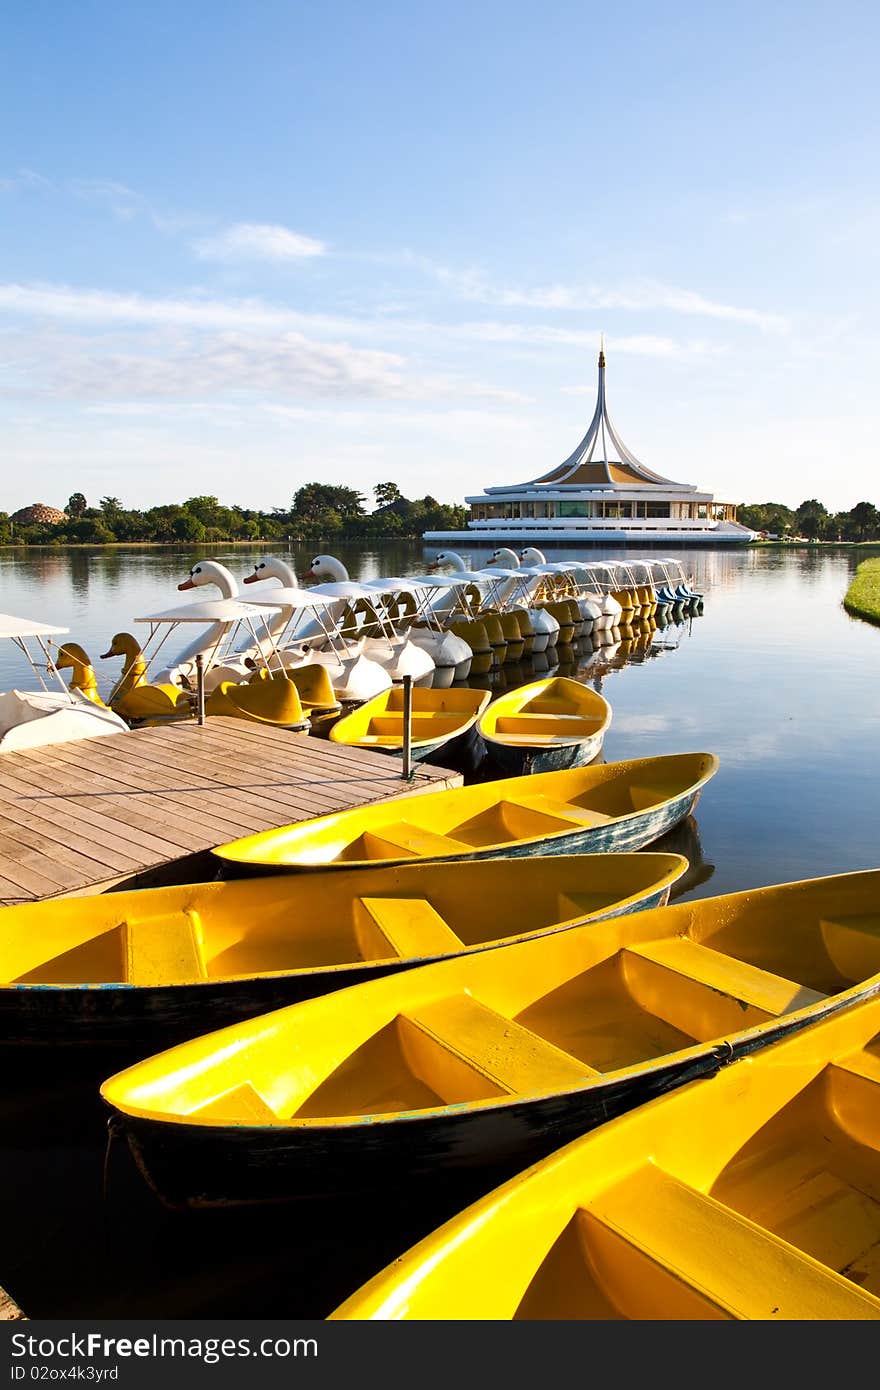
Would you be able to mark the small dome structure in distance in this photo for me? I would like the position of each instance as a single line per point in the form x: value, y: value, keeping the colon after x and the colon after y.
x: 39, y: 512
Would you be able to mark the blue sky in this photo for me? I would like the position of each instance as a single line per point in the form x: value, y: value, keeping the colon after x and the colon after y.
x: 246, y: 246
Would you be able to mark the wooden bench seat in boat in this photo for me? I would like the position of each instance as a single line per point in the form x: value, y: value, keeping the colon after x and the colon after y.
x: 414, y: 840
x: 162, y: 950
x: 565, y: 810
x: 545, y: 704
x: 532, y: 726
x: 242, y: 1104
x: 654, y: 1230
x: 697, y: 989
x: 467, y: 1051
x: 402, y: 927
x: 421, y: 725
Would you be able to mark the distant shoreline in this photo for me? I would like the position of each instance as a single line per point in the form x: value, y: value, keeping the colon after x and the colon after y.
x: 287, y: 542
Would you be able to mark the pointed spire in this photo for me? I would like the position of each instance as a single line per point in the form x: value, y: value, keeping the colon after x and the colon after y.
x: 601, y: 352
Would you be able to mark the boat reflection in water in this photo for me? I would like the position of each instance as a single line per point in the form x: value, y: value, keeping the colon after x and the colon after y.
x: 685, y: 839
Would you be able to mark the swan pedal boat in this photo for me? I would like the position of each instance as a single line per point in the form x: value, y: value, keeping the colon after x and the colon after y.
x: 35, y: 718
x: 441, y: 719
x: 589, y: 810
x: 478, y: 1066
x: 168, y: 963
x: 753, y: 1195
x: 545, y: 726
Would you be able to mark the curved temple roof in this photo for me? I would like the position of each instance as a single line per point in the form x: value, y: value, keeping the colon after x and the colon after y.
x: 590, y: 465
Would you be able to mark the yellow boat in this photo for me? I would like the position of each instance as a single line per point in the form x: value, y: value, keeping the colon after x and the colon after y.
x: 167, y: 963
x: 588, y: 810
x: 753, y: 1195
x: 443, y: 721
x: 545, y: 726
x: 472, y: 1068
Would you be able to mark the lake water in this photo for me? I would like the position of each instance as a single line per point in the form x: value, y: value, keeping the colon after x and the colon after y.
x: 774, y: 677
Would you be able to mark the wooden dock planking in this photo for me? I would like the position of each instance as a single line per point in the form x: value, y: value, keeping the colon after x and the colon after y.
x: 84, y: 816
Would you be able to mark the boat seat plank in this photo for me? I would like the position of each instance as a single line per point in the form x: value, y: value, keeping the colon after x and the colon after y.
x: 417, y: 841
x: 509, y: 1056
x: 570, y: 811
x: 242, y: 1104
x: 710, y: 1252
x: 745, y: 983
x: 411, y: 926
x: 546, y: 723
x: 163, y: 950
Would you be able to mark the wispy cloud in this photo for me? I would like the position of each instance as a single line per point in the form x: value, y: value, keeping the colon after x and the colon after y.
x: 258, y: 241
x: 24, y: 180
x: 642, y: 296
x: 108, y: 307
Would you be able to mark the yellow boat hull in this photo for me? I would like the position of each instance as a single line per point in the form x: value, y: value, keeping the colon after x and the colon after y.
x: 598, y: 809
x: 477, y: 1066
x: 162, y: 964
x: 441, y: 721
x: 751, y: 1195
x: 545, y: 726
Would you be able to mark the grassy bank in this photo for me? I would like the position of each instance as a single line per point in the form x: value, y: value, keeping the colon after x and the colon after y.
x: 863, y: 595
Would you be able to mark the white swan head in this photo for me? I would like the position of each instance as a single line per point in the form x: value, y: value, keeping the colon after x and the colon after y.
x: 450, y: 558
x: 508, y: 559
x: 211, y: 572
x: 272, y: 568
x: 532, y: 556
x: 328, y: 569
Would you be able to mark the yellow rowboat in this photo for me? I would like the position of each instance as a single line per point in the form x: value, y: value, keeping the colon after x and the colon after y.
x: 166, y: 963
x: 545, y: 726
x: 477, y: 1066
x: 443, y: 721
x: 753, y: 1195
x: 588, y: 810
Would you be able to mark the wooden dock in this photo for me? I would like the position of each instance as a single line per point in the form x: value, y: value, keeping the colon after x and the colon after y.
x: 146, y: 807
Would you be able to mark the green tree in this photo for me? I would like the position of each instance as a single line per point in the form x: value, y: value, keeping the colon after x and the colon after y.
x: 812, y: 516
x: 863, y: 522
x: 386, y: 494
x: 187, y: 528
x: 76, y: 504
x: 315, y: 500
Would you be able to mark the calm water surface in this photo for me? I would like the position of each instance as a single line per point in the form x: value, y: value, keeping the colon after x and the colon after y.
x: 774, y: 678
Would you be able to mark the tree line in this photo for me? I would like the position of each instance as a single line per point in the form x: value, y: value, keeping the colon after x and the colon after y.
x: 317, y: 510
x: 329, y: 511
x: 813, y: 521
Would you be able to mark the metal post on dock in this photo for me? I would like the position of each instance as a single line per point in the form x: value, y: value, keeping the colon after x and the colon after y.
x: 407, y: 728
x: 200, y: 687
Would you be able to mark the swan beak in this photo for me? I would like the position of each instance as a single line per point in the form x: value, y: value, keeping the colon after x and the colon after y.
x: 251, y: 579
x: 105, y: 655
x: 308, y: 574
x: 187, y: 584
x: 490, y: 562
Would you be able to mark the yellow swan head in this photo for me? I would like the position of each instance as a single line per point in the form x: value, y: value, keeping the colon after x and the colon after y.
x: 74, y: 658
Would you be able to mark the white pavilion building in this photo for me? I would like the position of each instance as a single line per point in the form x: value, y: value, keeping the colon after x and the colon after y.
x: 601, y: 495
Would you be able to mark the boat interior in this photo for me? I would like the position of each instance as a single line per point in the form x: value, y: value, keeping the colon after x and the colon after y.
x: 479, y: 816
x: 436, y: 714
x: 165, y: 936
x: 773, y: 1215
x: 542, y: 1016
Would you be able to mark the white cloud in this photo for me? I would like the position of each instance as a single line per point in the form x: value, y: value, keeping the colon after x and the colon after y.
x: 642, y: 296
x: 24, y: 179
x: 258, y: 241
